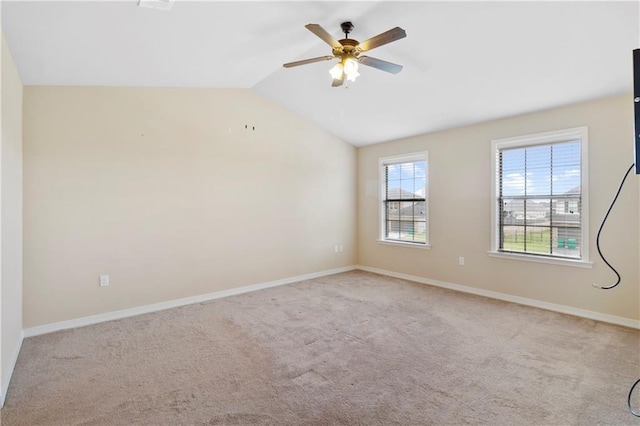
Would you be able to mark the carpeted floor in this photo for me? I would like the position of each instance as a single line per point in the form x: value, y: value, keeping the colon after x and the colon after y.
x: 354, y: 348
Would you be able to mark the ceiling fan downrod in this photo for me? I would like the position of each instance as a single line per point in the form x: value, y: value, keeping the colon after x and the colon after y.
x: 347, y: 27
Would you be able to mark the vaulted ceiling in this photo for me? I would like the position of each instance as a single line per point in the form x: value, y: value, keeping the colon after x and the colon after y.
x: 464, y: 62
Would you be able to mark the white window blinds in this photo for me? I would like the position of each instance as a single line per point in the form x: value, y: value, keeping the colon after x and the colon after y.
x: 539, y: 201
x: 404, y: 199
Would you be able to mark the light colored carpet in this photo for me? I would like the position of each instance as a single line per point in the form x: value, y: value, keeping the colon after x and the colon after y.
x: 354, y: 348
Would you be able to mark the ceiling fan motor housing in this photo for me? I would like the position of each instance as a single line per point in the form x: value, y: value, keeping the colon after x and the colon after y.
x: 348, y: 47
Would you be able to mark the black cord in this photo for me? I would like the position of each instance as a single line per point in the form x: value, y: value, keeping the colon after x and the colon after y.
x: 635, y: 413
x: 600, y: 230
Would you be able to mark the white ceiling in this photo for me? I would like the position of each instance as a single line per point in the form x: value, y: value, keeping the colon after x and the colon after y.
x: 464, y: 62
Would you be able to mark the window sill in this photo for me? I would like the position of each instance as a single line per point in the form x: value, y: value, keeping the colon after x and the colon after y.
x: 405, y: 244
x: 540, y: 259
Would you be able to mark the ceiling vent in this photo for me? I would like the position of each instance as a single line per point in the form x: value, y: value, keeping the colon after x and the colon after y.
x: 156, y: 4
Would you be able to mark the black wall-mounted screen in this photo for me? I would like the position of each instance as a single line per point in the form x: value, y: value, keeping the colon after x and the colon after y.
x: 636, y: 106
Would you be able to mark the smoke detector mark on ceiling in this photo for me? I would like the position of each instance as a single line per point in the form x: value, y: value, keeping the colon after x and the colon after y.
x: 156, y: 4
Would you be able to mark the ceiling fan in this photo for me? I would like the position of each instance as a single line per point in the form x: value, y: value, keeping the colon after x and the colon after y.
x: 349, y: 52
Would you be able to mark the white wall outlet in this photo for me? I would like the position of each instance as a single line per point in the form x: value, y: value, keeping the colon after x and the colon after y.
x: 335, y: 249
x: 461, y: 260
x: 104, y: 280
x: 340, y: 248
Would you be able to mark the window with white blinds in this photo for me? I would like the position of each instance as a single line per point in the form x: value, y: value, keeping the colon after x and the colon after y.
x: 404, y: 199
x: 540, y: 200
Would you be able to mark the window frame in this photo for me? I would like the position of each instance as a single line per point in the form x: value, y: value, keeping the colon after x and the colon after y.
x: 545, y: 138
x: 395, y: 159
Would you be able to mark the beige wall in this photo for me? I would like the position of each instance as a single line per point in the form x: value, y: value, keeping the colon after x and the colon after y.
x: 10, y: 218
x: 168, y: 193
x: 460, y: 208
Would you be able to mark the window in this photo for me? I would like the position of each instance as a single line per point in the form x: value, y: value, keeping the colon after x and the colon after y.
x: 404, y: 200
x: 540, y: 196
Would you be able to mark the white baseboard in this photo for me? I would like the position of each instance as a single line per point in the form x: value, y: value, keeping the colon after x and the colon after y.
x: 583, y: 313
x: 109, y: 316
x: 9, y: 372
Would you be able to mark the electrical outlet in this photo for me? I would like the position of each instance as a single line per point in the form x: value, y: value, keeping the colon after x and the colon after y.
x: 461, y: 260
x: 104, y: 280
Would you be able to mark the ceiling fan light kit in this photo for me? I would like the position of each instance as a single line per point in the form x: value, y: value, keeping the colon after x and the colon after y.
x: 348, y: 67
x: 349, y: 52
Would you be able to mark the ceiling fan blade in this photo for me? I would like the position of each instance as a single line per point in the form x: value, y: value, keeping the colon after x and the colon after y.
x: 380, y: 64
x: 337, y: 81
x: 307, y: 61
x: 386, y: 37
x: 324, y: 35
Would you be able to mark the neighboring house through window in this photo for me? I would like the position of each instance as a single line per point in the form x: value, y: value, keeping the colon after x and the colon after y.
x: 404, y: 200
x: 540, y: 197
